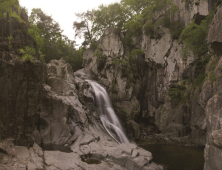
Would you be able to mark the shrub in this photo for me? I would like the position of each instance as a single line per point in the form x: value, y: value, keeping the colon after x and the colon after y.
x: 194, y: 37
x: 134, y: 53
x: 27, y: 53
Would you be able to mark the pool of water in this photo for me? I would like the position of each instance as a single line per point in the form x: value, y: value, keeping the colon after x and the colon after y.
x: 174, y: 157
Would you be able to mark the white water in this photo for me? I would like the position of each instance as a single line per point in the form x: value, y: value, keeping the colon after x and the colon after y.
x: 107, y: 114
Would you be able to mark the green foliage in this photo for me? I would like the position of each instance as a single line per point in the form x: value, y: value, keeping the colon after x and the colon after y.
x: 218, y: 3
x: 15, y: 15
x: 99, y: 53
x: 114, y: 15
x: 130, y: 16
x: 149, y: 28
x: 193, y: 37
x: 93, y: 45
x: 83, y: 28
x: 115, y: 61
x: 114, y: 88
x: 12, y: 8
x: 199, y: 81
x: 124, y: 62
x: 6, y: 6
x: 27, y: 53
x: 134, y: 53
x: 176, y: 91
x: 127, y: 42
x: 101, y: 58
x: 187, y: 2
x: 10, y: 41
x: 212, y: 78
x: 220, y: 69
x: 212, y: 66
x: 134, y: 26
x: 176, y: 27
x: 51, y: 43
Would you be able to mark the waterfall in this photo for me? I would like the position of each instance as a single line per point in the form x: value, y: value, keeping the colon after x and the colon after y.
x: 107, y: 115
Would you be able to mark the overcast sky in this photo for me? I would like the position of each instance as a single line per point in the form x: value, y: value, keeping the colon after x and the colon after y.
x: 63, y: 11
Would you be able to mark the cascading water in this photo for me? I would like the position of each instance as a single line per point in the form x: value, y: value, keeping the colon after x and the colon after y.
x: 107, y: 115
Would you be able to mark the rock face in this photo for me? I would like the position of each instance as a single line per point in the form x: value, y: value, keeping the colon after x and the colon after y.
x: 215, y: 33
x: 48, y: 116
x: 67, y: 118
x: 50, y: 109
x: 21, y: 83
x: 159, y: 91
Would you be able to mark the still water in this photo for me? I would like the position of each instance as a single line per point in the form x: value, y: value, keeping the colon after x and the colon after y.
x: 174, y: 157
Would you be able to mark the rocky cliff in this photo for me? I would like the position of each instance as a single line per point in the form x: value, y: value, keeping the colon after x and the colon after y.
x: 158, y: 93
x: 48, y: 113
x: 21, y: 82
x: 63, y: 130
x: 48, y: 117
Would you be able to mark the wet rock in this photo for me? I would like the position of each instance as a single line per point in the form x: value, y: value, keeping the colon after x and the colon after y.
x: 133, y: 129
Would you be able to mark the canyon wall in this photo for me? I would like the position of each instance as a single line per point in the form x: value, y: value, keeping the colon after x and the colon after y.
x: 159, y: 94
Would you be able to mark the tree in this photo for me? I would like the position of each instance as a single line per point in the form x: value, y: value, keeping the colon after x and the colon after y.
x: 83, y: 28
x: 112, y: 16
x: 6, y: 6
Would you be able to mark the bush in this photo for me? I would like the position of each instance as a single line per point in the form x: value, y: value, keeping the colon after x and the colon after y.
x: 194, y: 37
x: 27, y: 53
x: 134, y: 53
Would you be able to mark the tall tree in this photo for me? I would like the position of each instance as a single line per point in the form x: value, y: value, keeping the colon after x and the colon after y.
x: 83, y: 27
x: 112, y: 16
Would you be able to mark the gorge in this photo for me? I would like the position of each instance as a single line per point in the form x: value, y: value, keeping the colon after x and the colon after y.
x: 159, y: 94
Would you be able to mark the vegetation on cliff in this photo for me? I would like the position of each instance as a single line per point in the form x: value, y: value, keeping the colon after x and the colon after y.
x: 46, y: 32
x: 128, y: 16
x: 50, y: 40
x: 194, y: 37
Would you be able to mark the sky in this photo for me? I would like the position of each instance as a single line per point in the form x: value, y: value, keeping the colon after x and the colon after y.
x: 63, y: 11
